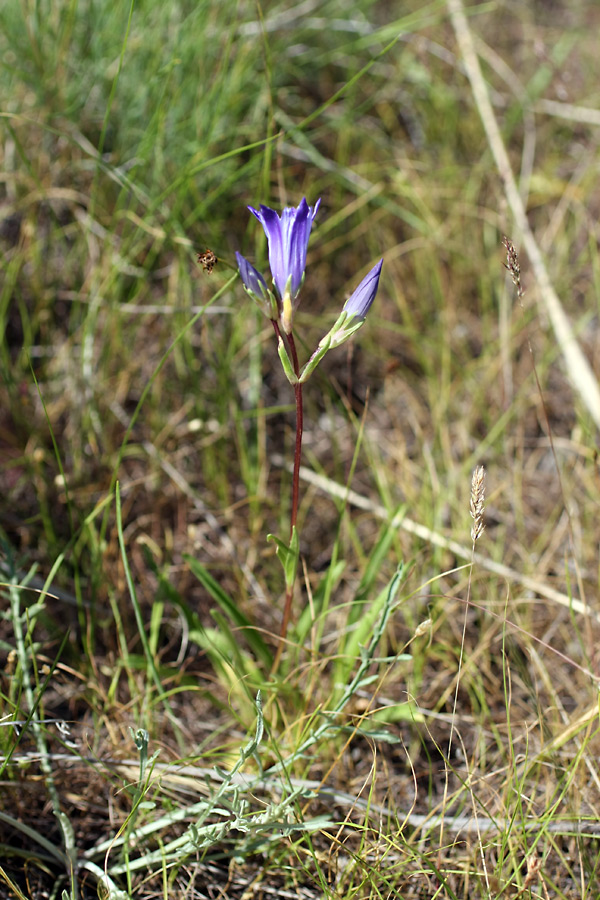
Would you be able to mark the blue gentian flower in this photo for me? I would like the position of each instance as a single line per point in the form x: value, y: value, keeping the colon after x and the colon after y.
x: 287, y: 237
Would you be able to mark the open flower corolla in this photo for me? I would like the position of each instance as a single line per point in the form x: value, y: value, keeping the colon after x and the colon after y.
x: 287, y: 239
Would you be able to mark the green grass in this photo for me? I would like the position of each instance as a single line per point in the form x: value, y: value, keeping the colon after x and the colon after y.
x: 432, y: 727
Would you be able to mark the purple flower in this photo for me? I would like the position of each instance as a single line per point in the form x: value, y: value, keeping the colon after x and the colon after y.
x: 357, y: 306
x: 287, y: 237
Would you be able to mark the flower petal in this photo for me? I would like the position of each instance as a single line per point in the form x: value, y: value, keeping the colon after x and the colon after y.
x: 298, y: 242
x: 271, y: 223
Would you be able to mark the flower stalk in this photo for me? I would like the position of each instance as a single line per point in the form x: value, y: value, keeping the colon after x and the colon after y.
x: 287, y: 239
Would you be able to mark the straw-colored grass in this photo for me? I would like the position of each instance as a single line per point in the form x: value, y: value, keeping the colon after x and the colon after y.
x: 431, y: 729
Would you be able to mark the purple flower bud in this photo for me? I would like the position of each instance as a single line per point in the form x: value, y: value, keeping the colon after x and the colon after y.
x: 287, y: 237
x: 253, y: 281
x: 357, y: 306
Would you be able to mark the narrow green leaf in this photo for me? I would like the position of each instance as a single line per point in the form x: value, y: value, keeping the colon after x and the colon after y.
x: 232, y: 610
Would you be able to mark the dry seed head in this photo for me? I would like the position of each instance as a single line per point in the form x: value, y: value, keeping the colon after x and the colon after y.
x: 512, y: 264
x: 477, y: 502
x: 423, y: 628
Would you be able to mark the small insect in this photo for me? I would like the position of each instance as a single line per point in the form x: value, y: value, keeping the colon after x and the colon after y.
x: 207, y: 260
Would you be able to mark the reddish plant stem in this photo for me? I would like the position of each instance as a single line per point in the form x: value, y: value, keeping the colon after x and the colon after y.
x: 289, y: 593
x: 299, y: 429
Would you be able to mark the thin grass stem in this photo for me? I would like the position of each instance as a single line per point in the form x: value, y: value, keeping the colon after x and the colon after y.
x: 20, y: 635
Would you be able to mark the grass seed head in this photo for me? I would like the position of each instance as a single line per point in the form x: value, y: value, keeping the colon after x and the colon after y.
x: 512, y: 264
x: 477, y: 502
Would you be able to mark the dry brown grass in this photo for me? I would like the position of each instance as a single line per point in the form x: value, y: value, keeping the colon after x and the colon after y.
x: 451, y: 373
